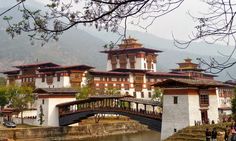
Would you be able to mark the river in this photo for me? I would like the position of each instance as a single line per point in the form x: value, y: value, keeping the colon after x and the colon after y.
x: 140, y: 136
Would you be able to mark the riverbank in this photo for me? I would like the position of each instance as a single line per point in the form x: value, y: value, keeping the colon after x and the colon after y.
x: 69, y: 133
x: 197, y: 133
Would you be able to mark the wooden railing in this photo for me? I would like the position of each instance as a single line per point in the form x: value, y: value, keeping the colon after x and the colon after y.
x: 113, y: 106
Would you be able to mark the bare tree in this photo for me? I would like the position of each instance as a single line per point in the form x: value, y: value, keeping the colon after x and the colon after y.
x: 60, y: 15
x: 217, y: 25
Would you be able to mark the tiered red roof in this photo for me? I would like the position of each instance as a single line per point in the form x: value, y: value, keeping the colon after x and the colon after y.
x: 175, y: 82
x: 109, y: 73
x: 61, y: 68
x: 11, y: 72
x: 45, y: 64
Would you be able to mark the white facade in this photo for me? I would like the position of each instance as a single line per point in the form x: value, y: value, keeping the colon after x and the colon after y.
x: 140, y: 63
x: 224, y: 97
x: 50, y: 111
x: 186, y: 112
x: 175, y: 116
x: 63, y: 83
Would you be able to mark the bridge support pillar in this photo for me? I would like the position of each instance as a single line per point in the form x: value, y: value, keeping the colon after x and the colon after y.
x: 136, y: 106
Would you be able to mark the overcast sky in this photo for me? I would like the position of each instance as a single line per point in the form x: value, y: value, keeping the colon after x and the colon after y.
x: 177, y: 22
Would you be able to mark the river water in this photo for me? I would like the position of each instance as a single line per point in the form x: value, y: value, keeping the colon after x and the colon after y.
x: 140, y: 136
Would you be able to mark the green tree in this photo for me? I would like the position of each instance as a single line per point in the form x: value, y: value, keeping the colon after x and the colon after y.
x: 20, y: 98
x: 3, y: 96
x: 111, y: 91
x: 2, y: 81
x: 41, y: 115
x: 83, y: 92
x: 233, y: 102
x: 158, y: 95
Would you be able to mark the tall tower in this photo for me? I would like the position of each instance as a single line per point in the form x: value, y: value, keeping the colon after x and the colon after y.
x: 130, y: 54
x: 192, y: 70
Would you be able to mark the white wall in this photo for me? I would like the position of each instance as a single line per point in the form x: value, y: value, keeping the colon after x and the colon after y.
x: 175, y: 116
x: 64, y: 82
x: 28, y: 113
x: 138, y: 63
x: 109, y: 67
x: 29, y: 121
x: 213, y: 113
x: 195, y: 113
x: 45, y: 106
x: 50, y: 110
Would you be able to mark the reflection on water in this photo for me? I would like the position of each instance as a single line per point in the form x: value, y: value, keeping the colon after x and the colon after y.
x: 141, y: 136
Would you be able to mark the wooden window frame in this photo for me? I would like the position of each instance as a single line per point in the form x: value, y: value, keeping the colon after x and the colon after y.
x: 175, y: 99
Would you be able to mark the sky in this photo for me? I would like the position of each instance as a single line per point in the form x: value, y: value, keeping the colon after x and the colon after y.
x: 177, y: 22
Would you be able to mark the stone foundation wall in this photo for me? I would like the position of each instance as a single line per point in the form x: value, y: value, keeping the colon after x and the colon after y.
x: 70, y: 133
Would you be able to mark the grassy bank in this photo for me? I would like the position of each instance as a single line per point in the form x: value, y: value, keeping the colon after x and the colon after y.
x: 197, y: 133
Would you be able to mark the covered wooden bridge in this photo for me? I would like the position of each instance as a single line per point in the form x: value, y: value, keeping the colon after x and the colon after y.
x: 137, y: 109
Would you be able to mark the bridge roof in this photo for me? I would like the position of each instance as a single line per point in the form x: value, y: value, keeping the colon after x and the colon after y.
x: 55, y: 90
x: 93, y: 98
x: 141, y: 101
x: 105, y: 96
x: 74, y: 102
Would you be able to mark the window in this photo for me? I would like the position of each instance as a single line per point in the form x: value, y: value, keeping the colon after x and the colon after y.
x: 149, y: 94
x: 43, y: 78
x: 138, y: 87
x: 42, y: 101
x: 110, y: 85
x: 135, y: 94
x: 142, y: 94
x: 145, y: 65
x: 58, y: 77
x: 175, y: 99
x: 132, y: 66
x: 126, y: 93
x: 126, y: 86
x: 49, y: 79
x: 101, y: 85
x: 118, y: 86
x: 204, y: 99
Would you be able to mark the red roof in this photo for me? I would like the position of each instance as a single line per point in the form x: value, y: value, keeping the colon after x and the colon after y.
x: 225, y: 108
x: 167, y: 74
x: 188, y: 69
x: 45, y: 64
x: 60, y: 68
x: 11, y: 72
x: 129, y: 70
x: 181, y: 82
x: 130, y: 50
x: 7, y: 110
x: 108, y: 73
